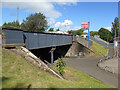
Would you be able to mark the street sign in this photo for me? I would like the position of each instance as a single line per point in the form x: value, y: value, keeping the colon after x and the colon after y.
x: 84, y: 24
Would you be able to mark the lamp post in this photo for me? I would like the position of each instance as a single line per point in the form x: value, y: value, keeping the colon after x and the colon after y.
x: 118, y: 43
x: 66, y: 25
x: 18, y: 14
x: 115, y: 43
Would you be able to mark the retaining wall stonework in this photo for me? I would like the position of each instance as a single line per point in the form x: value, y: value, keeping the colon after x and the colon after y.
x: 78, y: 49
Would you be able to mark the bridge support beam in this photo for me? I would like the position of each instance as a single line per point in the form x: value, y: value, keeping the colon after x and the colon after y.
x: 52, y: 55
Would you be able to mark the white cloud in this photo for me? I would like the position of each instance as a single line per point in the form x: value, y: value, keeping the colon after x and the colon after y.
x: 60, y: 0
x: 63, y: 1
x: 76, y: 28
x: 109, y: 28
x: 63, y: 25
x: 44, y: 6
x: 51, y: 21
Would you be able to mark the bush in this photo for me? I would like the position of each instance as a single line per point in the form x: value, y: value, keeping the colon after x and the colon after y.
x: 60, y: 65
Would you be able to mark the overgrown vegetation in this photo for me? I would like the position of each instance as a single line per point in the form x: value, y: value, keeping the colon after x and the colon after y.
x: 35, y: 22
x: 51, y: 29
x: 18, y: 73
x: 99, y: 50
x: 14, y: 23
x: 60, y: 65
x: 115, y: 27
x: 105, y: 35
x: 76, y: 32
x: 93, y: 33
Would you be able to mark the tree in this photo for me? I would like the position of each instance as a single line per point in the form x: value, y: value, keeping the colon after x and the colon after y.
x: 35, y: 23
x: 94, y: 33
x: 115, y: 25
x: 58, y: 29
x: 105, y: 35
x: 14, y: 23
x: 60, y: 65
x: 76, y: 32
x: 51, y: 29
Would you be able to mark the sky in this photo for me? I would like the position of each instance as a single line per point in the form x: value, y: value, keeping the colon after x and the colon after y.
x: 65, y: 15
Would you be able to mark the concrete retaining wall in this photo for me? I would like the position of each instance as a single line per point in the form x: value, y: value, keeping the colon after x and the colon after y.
x: 78, y: 49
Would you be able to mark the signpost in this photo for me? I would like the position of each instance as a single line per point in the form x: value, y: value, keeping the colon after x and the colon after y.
x: 86, y: 25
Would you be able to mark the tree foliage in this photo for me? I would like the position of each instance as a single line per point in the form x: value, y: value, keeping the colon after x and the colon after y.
x: 76, y: 32
x: 60, y: 65
x: 94, y: 33
x: 115, y: 25
x: 35, y: 23
x: 14, y: 23
x: 105, y: 35
x: 51, y: 29
x: 58, y: 29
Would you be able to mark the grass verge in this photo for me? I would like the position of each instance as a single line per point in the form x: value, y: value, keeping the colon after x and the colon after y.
x: 18, y: 73
x: 99, y: 50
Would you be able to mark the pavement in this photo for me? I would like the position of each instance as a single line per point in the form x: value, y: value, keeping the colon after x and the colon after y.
x: 88, y: 65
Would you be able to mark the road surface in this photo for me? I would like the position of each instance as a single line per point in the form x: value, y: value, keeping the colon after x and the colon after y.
x: 88, y: 65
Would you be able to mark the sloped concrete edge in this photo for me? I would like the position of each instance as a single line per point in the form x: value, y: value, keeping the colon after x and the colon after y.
x: 30, y: 57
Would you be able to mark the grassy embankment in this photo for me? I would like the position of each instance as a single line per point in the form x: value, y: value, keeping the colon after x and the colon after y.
x: 18, y: 73
x: 99, y: 50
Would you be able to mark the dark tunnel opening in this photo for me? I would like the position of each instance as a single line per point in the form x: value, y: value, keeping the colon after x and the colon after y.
x: 44, y: 53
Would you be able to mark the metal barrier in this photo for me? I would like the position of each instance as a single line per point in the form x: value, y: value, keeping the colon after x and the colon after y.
x: 42, y: 40
x: 35, y: 40
x: 100, y: 42
x: 13, y: 36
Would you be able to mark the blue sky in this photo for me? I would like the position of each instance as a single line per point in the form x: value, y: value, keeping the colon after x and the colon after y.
x: 65, y: 16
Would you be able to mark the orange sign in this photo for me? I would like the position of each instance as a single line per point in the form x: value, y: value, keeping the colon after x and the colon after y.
x: 84, y: 24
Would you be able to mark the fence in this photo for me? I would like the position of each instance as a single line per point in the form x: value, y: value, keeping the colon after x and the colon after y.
x: 84, y: 42
x: 104, y: 44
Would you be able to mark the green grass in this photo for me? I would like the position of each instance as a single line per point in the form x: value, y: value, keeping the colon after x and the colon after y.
x: 99, y: 50
x: 18, y: 73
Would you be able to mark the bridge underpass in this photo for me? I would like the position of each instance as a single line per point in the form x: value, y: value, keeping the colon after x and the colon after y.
x: 44, y: 53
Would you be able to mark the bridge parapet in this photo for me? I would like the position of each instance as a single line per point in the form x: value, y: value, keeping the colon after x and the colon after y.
x: 84, y: 42
x: 35, y: 40
x: 43, y: 40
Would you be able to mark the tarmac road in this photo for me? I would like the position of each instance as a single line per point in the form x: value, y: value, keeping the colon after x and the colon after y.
x: 88, y: 65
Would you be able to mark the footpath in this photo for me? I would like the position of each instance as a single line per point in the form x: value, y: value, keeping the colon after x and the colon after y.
x: 89, y: 66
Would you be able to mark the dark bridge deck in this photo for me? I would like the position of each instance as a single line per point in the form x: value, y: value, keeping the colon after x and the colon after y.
x: 43, y: 40
x: 35, y: 40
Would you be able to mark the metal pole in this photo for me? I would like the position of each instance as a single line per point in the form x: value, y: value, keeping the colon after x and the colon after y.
x: 88, y: 30
x: 115, y: 43
x: 18, y: 14
x: 118, y: 43
x: 51, y: 57
x: 51, y: 51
